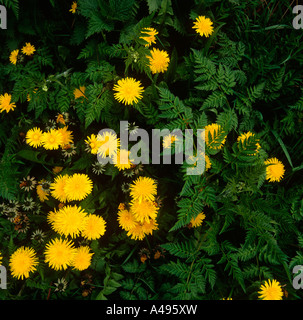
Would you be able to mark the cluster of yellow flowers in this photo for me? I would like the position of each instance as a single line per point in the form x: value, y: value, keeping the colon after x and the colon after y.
x: 69, y: 221
x: 274, y: 168
x: 59, y: 254
x: 104, y: 144
x: 50, y: 140
x: 28, y: 50
x: 129, y: 90
x: 71, y: 188
x: 158, y: 59
x: 73, y: 221
x: 140, y: 219
x: 107, y: 144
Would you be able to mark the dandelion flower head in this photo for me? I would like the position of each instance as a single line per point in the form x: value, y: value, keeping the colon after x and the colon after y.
x: 69, y: 221
x: 22, y: 262
x: 143, y: 188
x: 82, y: 258
x: 203, y: 26
x: 128, y: 91
x: 95, y: 227
x: 158, y: 60
x: 78, y: 186
x: 59, y: 253
x: 93, y: 144
x: 28, y: 49
x: 5, y: 103
x: 126, y: 219
x: 52, y: 140
x: 34, y: 137
x: 274, y: 170
x: 13, y: 58
x: 271, y: 290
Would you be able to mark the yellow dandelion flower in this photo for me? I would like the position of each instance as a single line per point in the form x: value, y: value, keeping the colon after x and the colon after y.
x: 5, y: 103
x: 22, y: 262
x: 149, y: 35
x: 69, y: 221
x: 82, y: 258
x: 73, y: 8
x: 274, y: 170
x: 0, y: 258
x: 78, y: 187
x: 212, y: 136
x: 143, y: 188
x: 245, y: 136
x: 52, y: 139
x: 158, y: 60
x: 144, y: 210
x: 203, y: 26
x: 169, y: 140
x: 95, y: 227
x: 136, y: 233
x: 67, y: 137
x: 129, y: 91
x: 34, y: 137
x: 271, y: 290
x: 79, y: 92
x: 93, y: 144
x: 59, y: 253
x: 28, y: 49
x: 122, y: 161
x: 149, y: 227
x: 126, y: 219
x: 13, y: 58
x: 196, y: 222
x: 57, y: 188
x: 109, y: 144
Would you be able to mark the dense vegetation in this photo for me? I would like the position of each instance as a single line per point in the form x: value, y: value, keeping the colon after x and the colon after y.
x: 245, y: 77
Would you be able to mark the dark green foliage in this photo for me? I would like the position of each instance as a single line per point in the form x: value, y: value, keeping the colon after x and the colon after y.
x: 247, y: 76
